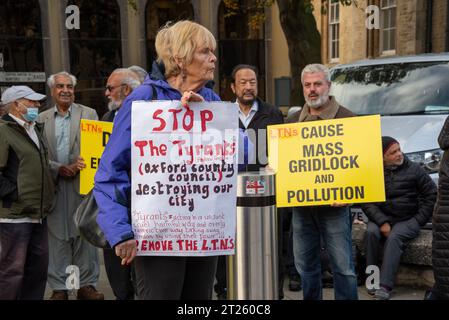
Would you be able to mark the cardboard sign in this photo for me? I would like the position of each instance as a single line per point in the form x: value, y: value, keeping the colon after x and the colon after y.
x: 325, y: 162
x: 94, y: 137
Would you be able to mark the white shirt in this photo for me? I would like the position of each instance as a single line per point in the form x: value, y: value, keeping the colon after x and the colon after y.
x: 33, y: 135
x: 29, y: 127
x: 246, y: 119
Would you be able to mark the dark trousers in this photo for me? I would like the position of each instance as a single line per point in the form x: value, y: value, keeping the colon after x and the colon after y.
x: 400, y: 235
x: 221, y: 285
x: 23, y: 260
x: 175, y: 278
x: 120, y: 277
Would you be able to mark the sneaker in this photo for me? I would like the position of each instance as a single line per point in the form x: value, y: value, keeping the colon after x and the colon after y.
x: 371, y: 292
x: 89, y: 293
x: 222, y: 295
x: 382, y: 294
x: 327, y: 279
x: 59, y: 295
x: 294, y: 285
x: 432, y: 295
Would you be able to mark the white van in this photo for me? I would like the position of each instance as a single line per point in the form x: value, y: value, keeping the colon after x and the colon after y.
x: 410, y: 93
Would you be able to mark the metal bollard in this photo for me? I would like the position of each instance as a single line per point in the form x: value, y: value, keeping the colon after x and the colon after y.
x: 252, y: 272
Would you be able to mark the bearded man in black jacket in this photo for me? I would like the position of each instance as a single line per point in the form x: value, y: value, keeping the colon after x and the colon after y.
x: 410, y: 197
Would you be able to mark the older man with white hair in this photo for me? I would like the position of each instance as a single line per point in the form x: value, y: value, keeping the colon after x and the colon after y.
x: 67, y: 248
x: 120, y: 84
x: 26, y: 197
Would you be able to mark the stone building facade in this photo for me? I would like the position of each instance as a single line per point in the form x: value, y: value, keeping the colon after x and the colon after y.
x: 36, y: 39
x: 406, y: 27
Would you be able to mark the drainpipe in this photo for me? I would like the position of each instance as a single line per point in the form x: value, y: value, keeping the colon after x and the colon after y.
x: 446, y: 47
x: 429, y: 16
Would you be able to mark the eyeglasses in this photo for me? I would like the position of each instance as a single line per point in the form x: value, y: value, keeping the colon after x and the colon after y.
x: 110, y: 88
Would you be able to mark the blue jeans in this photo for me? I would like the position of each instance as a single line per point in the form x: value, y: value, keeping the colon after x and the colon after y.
x: 334, y: 225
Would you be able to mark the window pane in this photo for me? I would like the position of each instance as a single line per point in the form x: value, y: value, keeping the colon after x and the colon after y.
x: 239, y: 44
x: 21, y: 39
x: 337, y: 45
x: 393, y: 39
x: 385, y: 40
x: 157, y: 14
x: 393, y: 18
x: 95, y: 50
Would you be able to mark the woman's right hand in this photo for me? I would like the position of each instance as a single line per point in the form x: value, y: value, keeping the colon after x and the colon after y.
x: 190, y: 96
x: 126, y: 251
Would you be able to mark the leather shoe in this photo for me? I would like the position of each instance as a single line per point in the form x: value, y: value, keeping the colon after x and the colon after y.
x: 59, y: 295
x: 327, y: 279
x: 89, y: 293
x: 294, y: 285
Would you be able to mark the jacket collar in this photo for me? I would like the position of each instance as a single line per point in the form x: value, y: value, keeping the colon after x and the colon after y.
x: 329, y: 113
x: 6, y: 117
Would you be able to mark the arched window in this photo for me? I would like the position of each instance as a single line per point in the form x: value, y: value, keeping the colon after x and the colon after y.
x: 237, y: 44
x: 157, y: 14
x: 95, y: 49
x: 21, y: 44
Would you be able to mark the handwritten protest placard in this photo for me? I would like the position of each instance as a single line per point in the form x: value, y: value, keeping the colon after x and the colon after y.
x: 184, y: 174
x: 94, y: 137
x: 325, y: 162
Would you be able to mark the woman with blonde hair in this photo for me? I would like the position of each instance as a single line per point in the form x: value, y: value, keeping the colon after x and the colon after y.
x: 185, y: 64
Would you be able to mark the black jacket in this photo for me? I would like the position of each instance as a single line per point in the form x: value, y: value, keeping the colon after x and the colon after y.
x: 265, y: 116
x: 409, y: 193
x: 440, y: 244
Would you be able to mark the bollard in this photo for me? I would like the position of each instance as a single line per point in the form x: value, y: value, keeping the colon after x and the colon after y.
x: 252, y: 272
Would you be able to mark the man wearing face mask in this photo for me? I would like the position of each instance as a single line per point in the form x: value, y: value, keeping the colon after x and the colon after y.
x: 62, y: 131
x: 410, y: 197
x: 331, y: 223
x: 26, y: 197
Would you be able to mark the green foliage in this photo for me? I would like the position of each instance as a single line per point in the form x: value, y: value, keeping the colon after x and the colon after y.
x: 133, y: 4
x: 255, y: 10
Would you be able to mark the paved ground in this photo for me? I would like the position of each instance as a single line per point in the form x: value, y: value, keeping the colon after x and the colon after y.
x: 399, y: 293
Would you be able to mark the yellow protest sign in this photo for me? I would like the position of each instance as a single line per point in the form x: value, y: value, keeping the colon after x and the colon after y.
x: 329, y: 161
x: 94, y: 136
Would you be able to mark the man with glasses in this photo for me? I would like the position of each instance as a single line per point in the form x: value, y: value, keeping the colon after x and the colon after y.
x: 120, y: 84
x: 67, y: 248
x: 26, y: 197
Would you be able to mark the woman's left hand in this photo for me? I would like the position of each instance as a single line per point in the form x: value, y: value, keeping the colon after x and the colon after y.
x: 190, y: 96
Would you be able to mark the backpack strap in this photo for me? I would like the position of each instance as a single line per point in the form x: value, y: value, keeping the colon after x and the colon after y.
x: 153, y: 92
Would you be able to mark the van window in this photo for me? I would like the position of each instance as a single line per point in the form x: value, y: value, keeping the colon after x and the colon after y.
x: 393, y: 89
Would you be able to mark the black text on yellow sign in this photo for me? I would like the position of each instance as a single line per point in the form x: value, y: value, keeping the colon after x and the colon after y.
x: 325, y: 162
x: 94, y: 137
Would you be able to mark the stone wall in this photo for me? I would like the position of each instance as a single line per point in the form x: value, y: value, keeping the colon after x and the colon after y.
x: 416, y: 262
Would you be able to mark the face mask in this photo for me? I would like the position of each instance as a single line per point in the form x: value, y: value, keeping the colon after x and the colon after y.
x: 31, y: 114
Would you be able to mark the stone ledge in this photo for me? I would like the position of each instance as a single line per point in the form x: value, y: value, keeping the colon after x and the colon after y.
x: 416, y: 262
x: 418, y: 251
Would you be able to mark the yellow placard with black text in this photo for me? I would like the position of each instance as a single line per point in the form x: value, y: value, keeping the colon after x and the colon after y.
x: 328, y: 161
x: 94, y: 137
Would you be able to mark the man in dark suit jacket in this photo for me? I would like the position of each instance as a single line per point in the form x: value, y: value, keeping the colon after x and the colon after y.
x: 254, y: 117
x: 254, y: 113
